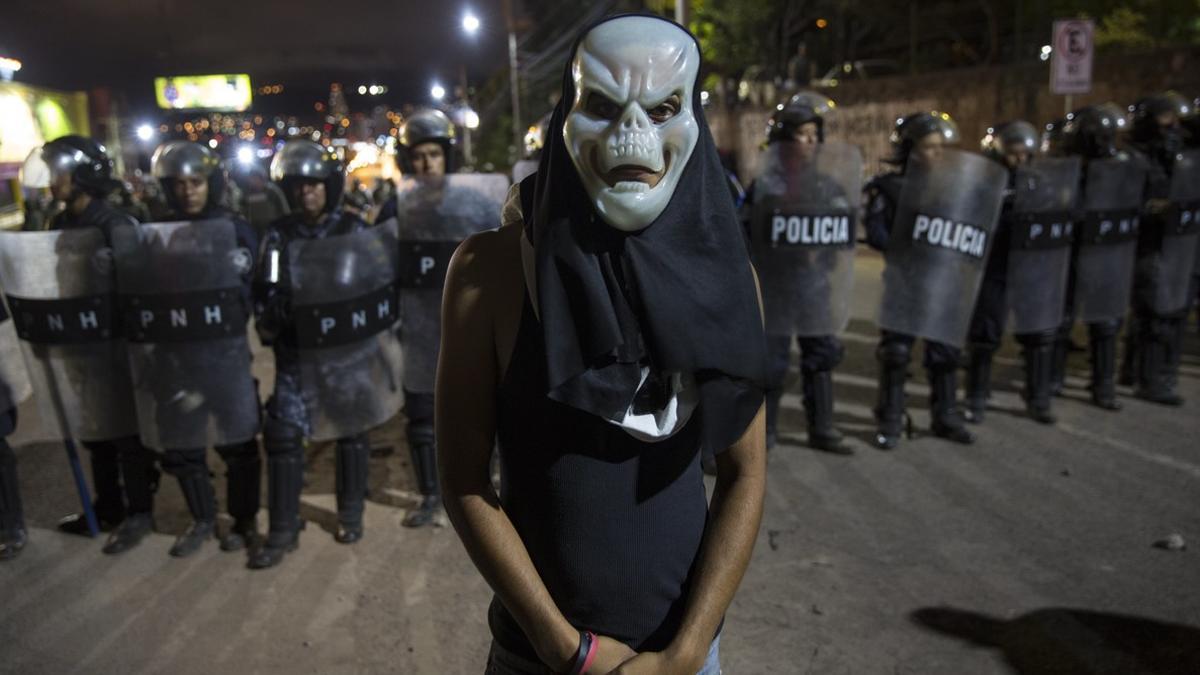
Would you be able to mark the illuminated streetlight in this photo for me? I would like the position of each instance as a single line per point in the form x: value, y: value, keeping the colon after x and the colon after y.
x: 470, y: 23
x: 437, y: 92
x: 245, y: 154
x: 362, y: 89
x: 145, y: 132
x: 471, y: 119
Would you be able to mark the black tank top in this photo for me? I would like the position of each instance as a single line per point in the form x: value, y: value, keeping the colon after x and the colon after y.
x: 613, y: 524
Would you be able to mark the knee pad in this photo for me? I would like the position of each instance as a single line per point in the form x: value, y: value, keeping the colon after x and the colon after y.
x: 239, y: 453
x: 282, y: 438
x: 180, y: 462
x: 894, y: 353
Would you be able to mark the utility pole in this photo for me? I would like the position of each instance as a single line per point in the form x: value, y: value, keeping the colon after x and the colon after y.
x: 683, y: 12
x: 514, y: 78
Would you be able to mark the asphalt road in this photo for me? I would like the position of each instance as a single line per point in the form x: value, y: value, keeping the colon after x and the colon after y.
x: 1029, y: 552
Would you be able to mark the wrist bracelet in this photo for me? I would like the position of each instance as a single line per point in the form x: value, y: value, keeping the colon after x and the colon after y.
x: 586, y: 653
x: 593, y: 647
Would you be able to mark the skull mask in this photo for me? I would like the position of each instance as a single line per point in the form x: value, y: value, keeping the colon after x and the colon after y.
x: 631, y: 128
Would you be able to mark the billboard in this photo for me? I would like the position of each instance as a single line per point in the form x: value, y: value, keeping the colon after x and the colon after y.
x: 210, y: 92
x: 30, y: 116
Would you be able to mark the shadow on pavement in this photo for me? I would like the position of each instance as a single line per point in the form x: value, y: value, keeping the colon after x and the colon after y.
x: 1061, y: 641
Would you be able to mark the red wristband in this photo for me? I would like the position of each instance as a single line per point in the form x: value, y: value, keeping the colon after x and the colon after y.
x: 591, y: 655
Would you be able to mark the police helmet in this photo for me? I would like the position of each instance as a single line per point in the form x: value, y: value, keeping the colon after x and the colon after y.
x: 183, y: 159
x: 1146, y: 110
x: 306, y: 160
x: 84, y: 160
x: 800, y: 109
x: 1092, y: 131
x: 912, y: 128
x: 1009, y: 136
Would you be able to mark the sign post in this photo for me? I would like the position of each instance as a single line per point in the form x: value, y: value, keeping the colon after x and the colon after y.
x: 1071, y: 59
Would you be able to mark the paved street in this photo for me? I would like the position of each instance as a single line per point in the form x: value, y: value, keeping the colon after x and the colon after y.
x: 1029, y: 552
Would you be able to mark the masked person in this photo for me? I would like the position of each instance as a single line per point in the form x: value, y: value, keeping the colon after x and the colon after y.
x: 1166, y: 246
x: 605, y: 334
x: 436, y: 209
x: 802, y: 234
x: 1103, y: 253
x: 924, y: 134
x: 313, y: 179
x: 1027, y: 270
x: 222, y: 397
x: 123, y: 472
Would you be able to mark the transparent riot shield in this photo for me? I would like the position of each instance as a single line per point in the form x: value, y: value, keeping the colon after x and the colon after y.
x: 939, y: 243
x: 1043, y: 228
x: 1112, y: 199
x: 184, y: 317
x: 61, y: 293
x: 1176, y: 259
x: 803, y: 225
x: 14, y: 382
x: 344, y: 306
x: 434, y: 216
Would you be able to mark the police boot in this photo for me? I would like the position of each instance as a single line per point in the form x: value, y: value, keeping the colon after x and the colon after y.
x: 243, y: 488
x: 352, y: 456
x: 889, y: 410
x: 129, y: 533
x: 1058, y: 365
x: 979, y: 383
x: 109, y: 504
x: 1038, y: 365
x: 285, y: 480
x: 12, y: 517
x: 1104, y: 362
x: 947, y: 419
x: 1152, y: 381
x: 429, y: 512
x: 202, y: 504
x: 818, y: 408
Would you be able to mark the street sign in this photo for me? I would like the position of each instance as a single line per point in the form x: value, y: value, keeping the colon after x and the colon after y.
x: 1071, y: 60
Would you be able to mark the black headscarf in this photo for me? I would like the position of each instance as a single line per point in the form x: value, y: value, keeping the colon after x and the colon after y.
x: 677, y: 296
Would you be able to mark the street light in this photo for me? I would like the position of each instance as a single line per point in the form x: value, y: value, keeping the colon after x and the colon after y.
x: 245, y: 154
x: 470, y: 23
x: 145, y: 132
x: 437, y: 92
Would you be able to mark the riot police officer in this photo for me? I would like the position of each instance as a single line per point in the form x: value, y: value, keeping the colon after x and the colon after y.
x: 194, y: 183
x: 312, y: 178
x: 427, y: 144
x: 81, y: 178
x: 795, y: 140
x: 924, y: 133
x: 1012, y: 144
x: 1102, y: 259
x: 1160, y: 294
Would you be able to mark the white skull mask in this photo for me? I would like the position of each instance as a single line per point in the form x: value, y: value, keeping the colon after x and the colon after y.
x: 631, y: 129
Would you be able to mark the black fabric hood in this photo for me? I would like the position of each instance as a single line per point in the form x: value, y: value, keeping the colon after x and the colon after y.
x: 677, y: 296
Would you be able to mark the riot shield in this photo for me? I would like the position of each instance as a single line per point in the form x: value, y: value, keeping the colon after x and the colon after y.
x: 1176, y: 258
x: 1112, y: 199
x: 14, y: 382
x: 63, y: 307
x: 344, y: 305
x: 804, y: 221
x: 1039, y: 263
x: 184, y: 321
x: 940, y: 240
x: 435, y: 215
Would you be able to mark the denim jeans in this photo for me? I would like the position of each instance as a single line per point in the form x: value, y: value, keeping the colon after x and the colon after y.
x: 503, y: 662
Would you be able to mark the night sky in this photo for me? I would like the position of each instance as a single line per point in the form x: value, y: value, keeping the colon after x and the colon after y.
x: 302, y: 44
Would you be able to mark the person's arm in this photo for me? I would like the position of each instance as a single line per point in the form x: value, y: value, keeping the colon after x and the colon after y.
x: 735, y: 514
x: 465, y: 422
